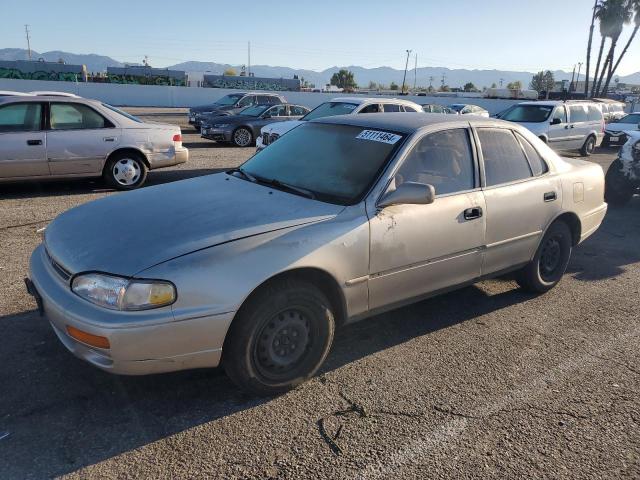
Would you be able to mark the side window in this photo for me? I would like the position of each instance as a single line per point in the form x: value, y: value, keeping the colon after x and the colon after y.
x: 391, y: 107
x: 466, y: 110
x: 436, y: 108
x: 442, y: 159
x: 74, y: 116
x: 373, y: 108
x: 278, y: 111
x: 409, y: 109
x: 560, y: 113
x: 578, y: 113
x: 537, y: 164
x: 246, y: 101
x: 20, y: 117
x: 297, y: 110
x: 594, y: 113
x: 504, y: 160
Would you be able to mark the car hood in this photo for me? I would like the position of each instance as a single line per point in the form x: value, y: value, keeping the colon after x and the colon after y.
x: 620, y: 127
x: 128, y: 232
x: 211, y: 108
x: 281, y: 127
x: 535, y: 127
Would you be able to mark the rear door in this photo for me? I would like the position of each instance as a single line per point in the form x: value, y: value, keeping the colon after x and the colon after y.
x: 521, y: 197
x: 579, y: 125
x: 22, y: 140
x: 79, y: 139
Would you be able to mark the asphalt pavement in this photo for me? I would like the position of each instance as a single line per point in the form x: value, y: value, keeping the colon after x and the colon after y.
x: 484, y: 382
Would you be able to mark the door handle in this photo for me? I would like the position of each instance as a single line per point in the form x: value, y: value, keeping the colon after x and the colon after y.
x: 572, y: 126
x: 109, y: 139
x: 472, y: 213
x: 550, y: 196
x: 34, y: 142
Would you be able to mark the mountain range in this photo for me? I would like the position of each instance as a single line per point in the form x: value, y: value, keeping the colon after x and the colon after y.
x: 424, y: 76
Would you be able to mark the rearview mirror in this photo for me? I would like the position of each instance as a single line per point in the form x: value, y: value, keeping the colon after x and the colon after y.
x: 411, y: 193
x: 556, y: 121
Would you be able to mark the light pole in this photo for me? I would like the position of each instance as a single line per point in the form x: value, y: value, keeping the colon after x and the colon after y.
x: 406, y: 65
x: 578, y: 76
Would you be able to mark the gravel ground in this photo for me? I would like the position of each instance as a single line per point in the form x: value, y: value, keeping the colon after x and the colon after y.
x: 485, y: 382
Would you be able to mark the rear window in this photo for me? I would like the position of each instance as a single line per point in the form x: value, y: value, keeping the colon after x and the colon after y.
x: 329, y: 109
x: 504, y: 160
x: 537, y: 164
x: 391, y: 107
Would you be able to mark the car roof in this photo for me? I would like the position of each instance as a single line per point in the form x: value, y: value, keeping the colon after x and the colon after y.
x: 47, y: 98
x: 51, y: 93
x: 361, y: 100
x: 10, y: 93
x: 553, y: 103
x: 403, y: 122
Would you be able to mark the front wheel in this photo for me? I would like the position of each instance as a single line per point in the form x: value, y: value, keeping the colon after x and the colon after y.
x: 125, y: 171
x: 279, y: 338
x: 550, y: 261
x: 588, y: 147
x: 618, y: 190
x: 242, y: 137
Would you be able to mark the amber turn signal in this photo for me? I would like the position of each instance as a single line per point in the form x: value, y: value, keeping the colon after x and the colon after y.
x: 87, y: 338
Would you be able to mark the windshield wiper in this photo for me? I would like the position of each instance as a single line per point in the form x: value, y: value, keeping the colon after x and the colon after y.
x: 246, y: 175
x: 285, y: 186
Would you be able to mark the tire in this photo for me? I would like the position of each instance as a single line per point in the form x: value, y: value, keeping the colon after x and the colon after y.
x: 242, y: 137
x: 618, y: 190
x: 279, y: 338
x: 550, y: 261
x: 588, y: 147
x: 125, y: 171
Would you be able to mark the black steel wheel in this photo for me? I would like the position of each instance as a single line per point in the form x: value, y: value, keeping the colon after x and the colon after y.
x: 279, y: 338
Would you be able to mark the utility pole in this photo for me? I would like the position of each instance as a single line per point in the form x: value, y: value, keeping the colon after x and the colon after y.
x: 444, y: 77
x: 415, y: 74
x: 431, y: 82
x: 501, y: 80
x: 578, y: 76
x: 248, y: 59
x: 26, y: 30
x: 573, y: 74
x: 406, y: 65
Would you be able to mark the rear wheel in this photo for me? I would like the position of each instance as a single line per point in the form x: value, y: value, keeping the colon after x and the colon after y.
x: 550, y: 261
x: 588, y: 147
x: 125, y: 171
x: 618, y: 190
x: 242, y: 137
x: 279, y: 338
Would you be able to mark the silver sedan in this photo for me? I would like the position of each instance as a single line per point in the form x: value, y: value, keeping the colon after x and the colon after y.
x: 342, y: 218
x: 47, y: 137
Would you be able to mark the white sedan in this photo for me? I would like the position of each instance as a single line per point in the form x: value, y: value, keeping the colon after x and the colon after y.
x: 46, y: 137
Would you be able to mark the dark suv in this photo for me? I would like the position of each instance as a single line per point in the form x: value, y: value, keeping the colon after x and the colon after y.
x: 232, y: 104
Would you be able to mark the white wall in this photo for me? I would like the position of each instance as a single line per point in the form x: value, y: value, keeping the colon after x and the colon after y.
x: 163, y: 96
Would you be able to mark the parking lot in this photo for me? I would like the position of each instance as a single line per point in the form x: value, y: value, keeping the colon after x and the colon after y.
x: 484, y: 382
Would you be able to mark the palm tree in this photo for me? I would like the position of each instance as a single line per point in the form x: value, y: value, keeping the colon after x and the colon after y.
x: 614, y: 15
x: 634, y: 6
x: 591, y: 28
x: 601, y: 12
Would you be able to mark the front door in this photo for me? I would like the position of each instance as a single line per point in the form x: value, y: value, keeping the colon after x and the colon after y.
x: 79, y: 139
x: 22, y: 141
x: 521, y: 195
x: 417, y: 249
x: 559, y: 134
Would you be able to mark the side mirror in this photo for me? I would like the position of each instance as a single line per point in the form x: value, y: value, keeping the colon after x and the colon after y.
x: 556, y: 121
x: 411, y: 193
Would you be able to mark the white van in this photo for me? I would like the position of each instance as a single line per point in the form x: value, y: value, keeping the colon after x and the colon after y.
x: 572, y: 125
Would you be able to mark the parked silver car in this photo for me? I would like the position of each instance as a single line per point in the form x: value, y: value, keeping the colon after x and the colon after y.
x: 572, y: 125
x: 340, y: 219
x: 45, y: 137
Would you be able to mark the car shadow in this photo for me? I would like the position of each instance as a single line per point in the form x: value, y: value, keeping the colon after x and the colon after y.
x: 53, y: 188
x: 68, y: 414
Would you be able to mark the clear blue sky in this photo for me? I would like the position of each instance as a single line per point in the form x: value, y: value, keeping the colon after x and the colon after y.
x: 526, y: 35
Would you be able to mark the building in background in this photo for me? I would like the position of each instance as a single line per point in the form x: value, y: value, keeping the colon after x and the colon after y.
x: 144, y: 75
x: 41, y: 70
x: 252, y: 83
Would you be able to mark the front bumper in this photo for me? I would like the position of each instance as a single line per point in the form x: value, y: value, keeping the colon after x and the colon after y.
x: 217, y: 134
x: 141, y: 343
x: 615, y: 138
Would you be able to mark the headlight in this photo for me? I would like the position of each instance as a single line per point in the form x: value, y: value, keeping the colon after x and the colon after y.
x: 117, y: 293
x: 221, y: 125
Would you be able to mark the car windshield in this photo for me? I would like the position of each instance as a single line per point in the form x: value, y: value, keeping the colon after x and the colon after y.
x: 336, y: 163
x: 255, y: 111
x: 329, y: 109
x: 633, y: 118
x: 528, y: 113
x: 120, y: 112
x: 228, y: 99
x: 456, y: 107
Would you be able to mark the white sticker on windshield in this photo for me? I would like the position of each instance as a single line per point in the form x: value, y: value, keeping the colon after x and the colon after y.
x: 349, y: 106
x: 378, y: 136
